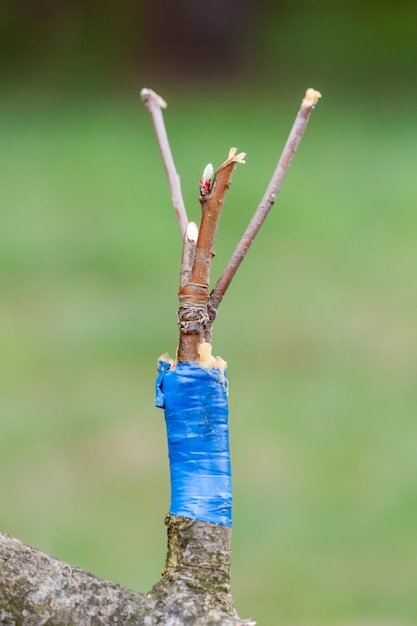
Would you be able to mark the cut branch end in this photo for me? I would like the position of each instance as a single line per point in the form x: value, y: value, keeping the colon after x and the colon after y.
x: 233, y: 158
x: 149, y: 94
x: 312, y: 97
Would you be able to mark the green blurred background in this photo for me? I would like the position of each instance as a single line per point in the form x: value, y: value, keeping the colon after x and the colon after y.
x: 319, y: 327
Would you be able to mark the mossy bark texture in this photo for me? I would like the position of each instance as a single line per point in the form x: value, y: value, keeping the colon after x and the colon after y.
x: 39, y: 590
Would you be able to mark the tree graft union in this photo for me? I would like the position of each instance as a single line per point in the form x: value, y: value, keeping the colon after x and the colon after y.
x: 36, y: 589
x: 190, y: 496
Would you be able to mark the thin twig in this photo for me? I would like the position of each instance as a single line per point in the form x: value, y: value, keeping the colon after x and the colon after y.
x: 154, y: 103
x: 294, y: 138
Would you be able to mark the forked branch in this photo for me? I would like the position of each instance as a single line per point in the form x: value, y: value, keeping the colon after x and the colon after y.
x: 198, y: 309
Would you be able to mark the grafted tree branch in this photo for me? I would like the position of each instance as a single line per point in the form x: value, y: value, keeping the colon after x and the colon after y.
x: 36, y: 589
x: 193, y: 315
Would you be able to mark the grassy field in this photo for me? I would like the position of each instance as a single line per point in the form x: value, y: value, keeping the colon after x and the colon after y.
x: 319, y: 330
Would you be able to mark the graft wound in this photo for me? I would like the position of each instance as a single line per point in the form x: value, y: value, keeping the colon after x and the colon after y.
x: 205, y: 359
x: 193, y: 317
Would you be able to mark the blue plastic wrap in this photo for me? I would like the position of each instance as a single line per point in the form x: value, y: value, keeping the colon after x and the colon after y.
x: 196, y: 416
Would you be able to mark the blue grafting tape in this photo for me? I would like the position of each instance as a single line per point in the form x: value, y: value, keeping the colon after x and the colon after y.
x: 196, y: 416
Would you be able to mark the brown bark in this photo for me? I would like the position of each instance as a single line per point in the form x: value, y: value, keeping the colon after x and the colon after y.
x: 193, y: 317
x: 212, y: 205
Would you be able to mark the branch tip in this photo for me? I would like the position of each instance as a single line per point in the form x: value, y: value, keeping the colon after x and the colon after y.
x: 311, y: 97
x: 205, y: 180
x: 237, y: 158
x: 232, y: 158
x: 148, y: 94
x: 208, y: 171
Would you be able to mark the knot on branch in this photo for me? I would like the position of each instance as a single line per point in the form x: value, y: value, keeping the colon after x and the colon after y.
x: 193, y: 317
x: 193, y: 320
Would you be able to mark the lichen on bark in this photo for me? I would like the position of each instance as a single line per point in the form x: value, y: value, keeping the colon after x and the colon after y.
x: 39, y: 590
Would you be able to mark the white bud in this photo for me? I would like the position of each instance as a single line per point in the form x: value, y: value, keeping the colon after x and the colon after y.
x: 192, y: 232
x: 208, y: 171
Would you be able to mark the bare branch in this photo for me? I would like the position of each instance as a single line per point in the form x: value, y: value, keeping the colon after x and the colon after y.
x: 212, y: 205
x: 193, y: 317
x: 294, y: 138
x: 154, y: 103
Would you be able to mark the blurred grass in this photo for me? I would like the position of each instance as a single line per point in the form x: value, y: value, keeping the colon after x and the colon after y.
x: 319, y: 330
